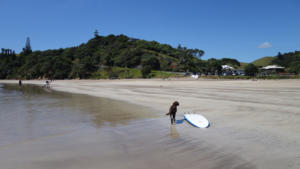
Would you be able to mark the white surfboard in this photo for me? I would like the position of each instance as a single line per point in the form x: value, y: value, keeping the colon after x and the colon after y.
x: 197, y: 120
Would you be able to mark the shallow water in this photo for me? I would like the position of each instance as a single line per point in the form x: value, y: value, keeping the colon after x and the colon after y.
x: 30, y: 112
x: 41, y: 129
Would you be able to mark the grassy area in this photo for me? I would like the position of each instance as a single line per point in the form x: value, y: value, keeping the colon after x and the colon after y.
x: 265, y: 61
x: 117, y: 73
x: 279, y: 77
x: 164, y: 75
x: 127, y: 73
x: 243, y: 65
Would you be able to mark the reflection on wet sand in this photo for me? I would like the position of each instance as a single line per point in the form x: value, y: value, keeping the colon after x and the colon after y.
x: 101, y: 111
x: 173, y: 132
x: 106, y: 111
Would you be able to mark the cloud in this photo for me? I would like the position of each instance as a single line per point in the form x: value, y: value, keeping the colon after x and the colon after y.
x: 265, y: 45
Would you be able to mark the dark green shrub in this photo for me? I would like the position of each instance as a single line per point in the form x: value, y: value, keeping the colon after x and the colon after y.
x: 146, y: 70
x: 251, y: 70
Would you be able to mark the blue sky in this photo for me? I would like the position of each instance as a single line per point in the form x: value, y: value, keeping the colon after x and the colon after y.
x: 241, y: 29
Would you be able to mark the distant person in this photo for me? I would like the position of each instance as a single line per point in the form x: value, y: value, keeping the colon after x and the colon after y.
x: 20, y: 82
x: 172, y: 112
x: 47, y: 83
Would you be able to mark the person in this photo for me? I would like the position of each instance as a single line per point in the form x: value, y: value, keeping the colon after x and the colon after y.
x: 20, y: 82
x: 172, y: 112
x: 47, y: 84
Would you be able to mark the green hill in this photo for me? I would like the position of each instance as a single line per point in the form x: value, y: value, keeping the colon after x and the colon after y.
x: 290, y: 60
x: 99, y: 53
x: 119, y: 56
x: 265, y: 61
x: 243, y: 65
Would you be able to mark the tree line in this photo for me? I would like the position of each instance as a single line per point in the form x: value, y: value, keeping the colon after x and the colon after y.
x: 105, y: 52
x: 290, y: 60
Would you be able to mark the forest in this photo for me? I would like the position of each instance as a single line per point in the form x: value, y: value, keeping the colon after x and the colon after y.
x: 290, y: 60
x: 119, y: 56
x: 106, y: 57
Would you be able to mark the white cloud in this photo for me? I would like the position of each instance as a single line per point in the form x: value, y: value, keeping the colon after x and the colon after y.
x: 265, y: 45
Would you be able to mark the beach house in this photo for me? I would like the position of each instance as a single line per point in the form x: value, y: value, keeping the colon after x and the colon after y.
x: 272, y: 69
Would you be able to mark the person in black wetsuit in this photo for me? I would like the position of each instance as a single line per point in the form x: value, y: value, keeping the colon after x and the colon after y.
x: 172, y: 112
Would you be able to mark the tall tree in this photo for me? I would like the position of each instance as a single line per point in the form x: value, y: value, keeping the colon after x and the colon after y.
x: 96, y: 33
x: 27, y: 50
x: 232, y: 62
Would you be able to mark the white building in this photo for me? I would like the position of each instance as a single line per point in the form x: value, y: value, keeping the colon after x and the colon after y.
x: 272, y: 69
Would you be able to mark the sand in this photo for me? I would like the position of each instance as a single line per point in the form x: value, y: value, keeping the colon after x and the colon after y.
x: 254, y: 124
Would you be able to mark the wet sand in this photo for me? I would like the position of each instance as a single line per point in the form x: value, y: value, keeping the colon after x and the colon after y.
x: 255, y: 124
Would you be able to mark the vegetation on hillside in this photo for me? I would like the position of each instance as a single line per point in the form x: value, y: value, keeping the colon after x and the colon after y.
x: 99, y: 54
x: 251, y: 70
x: 123, y: 57
x: 291, y: 61
x: 243, y: 65
x: 265, y: 61
x: 107, y: 57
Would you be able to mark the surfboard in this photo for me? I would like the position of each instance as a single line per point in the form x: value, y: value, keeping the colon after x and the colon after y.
x: 197, y: 120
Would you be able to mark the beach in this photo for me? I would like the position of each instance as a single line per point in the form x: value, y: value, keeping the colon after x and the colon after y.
x: 254, y: 124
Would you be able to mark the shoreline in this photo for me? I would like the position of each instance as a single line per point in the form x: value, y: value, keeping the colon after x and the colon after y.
x: 255, y: 119
x: 145, y: 92
x: 125, y: 87
x: 218, y: 100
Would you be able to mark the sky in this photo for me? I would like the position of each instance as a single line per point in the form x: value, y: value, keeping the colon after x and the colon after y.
x: 242, y: 29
